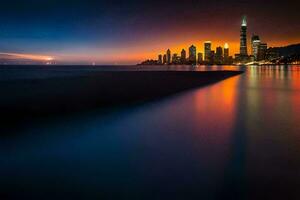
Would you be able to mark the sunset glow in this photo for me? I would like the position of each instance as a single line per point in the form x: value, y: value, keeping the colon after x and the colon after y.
x: 26, y: 56
x: 101, y: 32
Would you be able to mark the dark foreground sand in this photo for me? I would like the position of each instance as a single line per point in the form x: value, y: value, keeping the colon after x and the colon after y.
x: 23, y: 99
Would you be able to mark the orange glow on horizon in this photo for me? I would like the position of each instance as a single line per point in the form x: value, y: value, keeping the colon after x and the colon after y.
x: 234, y: 48
x: 137, y: 52
x: 28, y: 56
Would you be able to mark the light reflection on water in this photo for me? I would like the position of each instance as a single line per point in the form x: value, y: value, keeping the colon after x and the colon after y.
x: 235, y: 138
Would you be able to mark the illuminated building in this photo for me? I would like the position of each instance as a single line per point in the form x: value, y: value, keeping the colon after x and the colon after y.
x: 192, y: 54
x: 200, y: 58
x: 168, y: 56
x: 219, y: 55
x: 226, y: 52
x: 207, y: 51
x: 243, y: 38
x: 183, y: 56
x: 262, y: 50
x: 255, y: 43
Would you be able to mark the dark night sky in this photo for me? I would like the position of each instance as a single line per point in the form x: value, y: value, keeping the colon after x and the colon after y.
x: 115, y: 31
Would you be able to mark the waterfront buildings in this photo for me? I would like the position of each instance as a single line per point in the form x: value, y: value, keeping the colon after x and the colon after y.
x: 212, y: 58
x: 243, y: 38
x: 183, y: 56
x: 262, y: 50
x: 176, y: 59
x: 165, y: 59
x: 168, y: 56
x: 192, y: 54
x: 160, y: 61
x: 259, y: 52
x: 226, y: 53
x: 219, y: 55
x: 255, y: 42
x: 207, y: 51
x: 200, y: 58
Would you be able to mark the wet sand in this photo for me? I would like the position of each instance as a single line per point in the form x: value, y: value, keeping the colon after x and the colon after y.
x: 31, y: 98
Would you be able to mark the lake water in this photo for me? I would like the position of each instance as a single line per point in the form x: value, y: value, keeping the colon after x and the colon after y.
x: 236, y: 139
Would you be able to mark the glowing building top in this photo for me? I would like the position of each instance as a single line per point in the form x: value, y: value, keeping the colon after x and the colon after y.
x: 244, y: 21
x: 243, y: 38
x: 226, y: 46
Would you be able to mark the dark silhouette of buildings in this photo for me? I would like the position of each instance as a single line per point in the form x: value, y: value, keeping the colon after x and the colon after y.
x: 200, y: 58
x: 226, y: 53
x: 212, y: 58
x: 193, y: 58
x: 207, y: 51
x: 183, y: 56
x: 219, y: 55
x: 160, y: 59
x: 192, y: 54
x: 176, y: 59
x: 262, y: 50
x: 260, y: 54
x: 165, y: 59
x: 168, y: 56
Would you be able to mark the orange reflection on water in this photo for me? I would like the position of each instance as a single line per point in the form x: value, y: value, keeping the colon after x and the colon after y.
x: 295, y: 101
x: 215, y: 111
x: 216, y: 107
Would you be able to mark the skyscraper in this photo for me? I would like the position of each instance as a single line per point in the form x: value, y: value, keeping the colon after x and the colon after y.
x: 226, y: 52
x: 159, y: 59
x: 168, y: 56
x: 200, y: 58
x: 212, y: 57
x: 262, y: 50
x: 175, y: 59
x: 255, y: 43
x: 192, y: 54
x: 219, y: 55
x: 183, y: 56
x: 207, y: 51
x: 243, y: 38
x: 164, y: 59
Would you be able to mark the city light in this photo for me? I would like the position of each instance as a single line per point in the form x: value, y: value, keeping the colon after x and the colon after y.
x: 260, y: 53
x: 226, y: 46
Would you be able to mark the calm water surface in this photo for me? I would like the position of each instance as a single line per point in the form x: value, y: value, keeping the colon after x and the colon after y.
x: 236, y: 139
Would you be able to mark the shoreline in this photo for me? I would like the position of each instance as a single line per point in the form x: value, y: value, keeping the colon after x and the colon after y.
x: 36, y: 98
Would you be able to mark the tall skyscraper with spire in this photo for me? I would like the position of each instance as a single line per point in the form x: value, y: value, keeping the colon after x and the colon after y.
x: 243, y: 38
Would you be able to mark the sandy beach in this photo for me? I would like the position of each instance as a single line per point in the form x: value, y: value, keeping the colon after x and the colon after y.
x: 23, y: 99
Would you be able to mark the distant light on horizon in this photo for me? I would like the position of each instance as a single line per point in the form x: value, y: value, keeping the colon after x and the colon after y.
x: 49, y: 58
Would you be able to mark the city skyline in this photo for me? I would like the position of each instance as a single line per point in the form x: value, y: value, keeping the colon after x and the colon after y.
x: 260, y: 53
x: 97, y: 31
